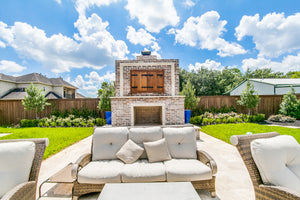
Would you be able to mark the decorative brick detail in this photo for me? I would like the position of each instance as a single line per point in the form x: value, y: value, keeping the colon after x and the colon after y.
x: 123, y: 109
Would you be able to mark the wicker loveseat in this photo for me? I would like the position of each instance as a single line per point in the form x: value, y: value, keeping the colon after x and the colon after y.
x: 262, y: 191
x: 187, y: 163
x: 20, y: 150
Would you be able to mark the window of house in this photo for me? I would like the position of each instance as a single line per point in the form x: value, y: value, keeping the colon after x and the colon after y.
x: 147, y: 81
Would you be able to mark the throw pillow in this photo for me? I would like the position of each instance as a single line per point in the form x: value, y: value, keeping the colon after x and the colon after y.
x: 130, y: 152
x: 278, y: 161
x: 157, y: 150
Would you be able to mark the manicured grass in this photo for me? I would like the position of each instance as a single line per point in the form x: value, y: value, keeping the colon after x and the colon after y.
x: 59, y: 138
x: 225, y: 131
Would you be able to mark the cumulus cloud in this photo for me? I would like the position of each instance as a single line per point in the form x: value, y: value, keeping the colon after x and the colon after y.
x: 154, y: 14
x: 288, y: 63
x: 142, y: 37
x: 83, y: 5
x: 10, y: 66
x: 93, y: 47
x: 58, y: 1
x: 209, y: 64
x: 273, y: 35
x: 90, y: 83
x: 205, y: 32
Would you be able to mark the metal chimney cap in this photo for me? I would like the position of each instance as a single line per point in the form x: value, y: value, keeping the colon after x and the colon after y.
x: 146, y: 53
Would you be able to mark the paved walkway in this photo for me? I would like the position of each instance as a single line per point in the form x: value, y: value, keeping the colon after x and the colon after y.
x: 232, y: 182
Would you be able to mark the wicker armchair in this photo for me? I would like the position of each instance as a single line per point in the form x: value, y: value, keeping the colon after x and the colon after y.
x: 27, y: 190
x: 262, y: 191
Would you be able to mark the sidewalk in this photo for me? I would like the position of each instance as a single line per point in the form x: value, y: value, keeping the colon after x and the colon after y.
x: 232, y: 182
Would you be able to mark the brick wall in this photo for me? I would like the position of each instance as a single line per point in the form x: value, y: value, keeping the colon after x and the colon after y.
x: 123, y: 109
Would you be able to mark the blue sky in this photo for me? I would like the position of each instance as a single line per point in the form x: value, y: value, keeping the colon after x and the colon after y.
x: 79, y: 40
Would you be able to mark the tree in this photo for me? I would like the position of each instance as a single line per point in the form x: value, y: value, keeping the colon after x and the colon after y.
x: 293, y: 74
x: 248, y: 97
x: 263, y: 73
x: 230, y: 78
x: 106, y: 91
x: 35, y: 99
x: 190, y: 101
x: 290, y: 105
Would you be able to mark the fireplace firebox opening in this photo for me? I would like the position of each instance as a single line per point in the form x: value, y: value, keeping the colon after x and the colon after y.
x: 147, y: 115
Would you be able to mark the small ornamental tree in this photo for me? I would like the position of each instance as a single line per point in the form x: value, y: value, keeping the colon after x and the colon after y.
x: 35, y: 99
x: 106, y: 91
x: 190, y: 101
x: 290, y: 105
x: 249, y: 97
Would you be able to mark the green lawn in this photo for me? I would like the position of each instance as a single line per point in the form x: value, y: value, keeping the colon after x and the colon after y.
x: 225, y: 131
x: 59, y: 138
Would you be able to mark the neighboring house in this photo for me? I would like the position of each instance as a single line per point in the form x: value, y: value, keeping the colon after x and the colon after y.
x: 54, y: 88
x: 269, y: 86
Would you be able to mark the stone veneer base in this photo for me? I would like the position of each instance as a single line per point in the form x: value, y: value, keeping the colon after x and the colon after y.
x: 123, y: 109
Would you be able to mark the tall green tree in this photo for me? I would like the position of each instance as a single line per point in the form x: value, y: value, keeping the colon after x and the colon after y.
x: 293, y: 74
x: 106, y: 91
x: 249, y: 97
x: 263, y: 73
x: 290, y: 105
x: 230, y: 78
x: 35, y: 99
x: 190, y: 101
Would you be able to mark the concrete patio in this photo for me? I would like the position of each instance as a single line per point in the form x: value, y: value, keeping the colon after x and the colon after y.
x: 232, y: 182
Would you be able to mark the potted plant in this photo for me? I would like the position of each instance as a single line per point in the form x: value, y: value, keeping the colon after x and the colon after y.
x: 190, y: 101
x: 106, y: 91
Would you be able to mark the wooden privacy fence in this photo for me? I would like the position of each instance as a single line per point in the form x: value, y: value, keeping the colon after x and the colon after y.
x: 12, y: 111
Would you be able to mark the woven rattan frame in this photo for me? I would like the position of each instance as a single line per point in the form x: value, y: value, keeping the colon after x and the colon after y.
x: 27, y: 191
x: 81, y: 189
x: 266, y: 192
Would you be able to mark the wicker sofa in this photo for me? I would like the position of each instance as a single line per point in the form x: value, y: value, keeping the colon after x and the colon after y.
x: 262, y: 191
x: 33, y: 148
x: 93, y: 170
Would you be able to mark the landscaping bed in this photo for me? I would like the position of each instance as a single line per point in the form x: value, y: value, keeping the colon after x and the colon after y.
x: 59, y: 138
x: 296, y: 123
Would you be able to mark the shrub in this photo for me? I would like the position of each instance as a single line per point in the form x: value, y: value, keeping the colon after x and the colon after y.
x: 100, y: 121
x: 290, y: 105
x: 218, y: 121
x: 204, y: 121
x: 231, y: 119
x: 281, y: 118
x: 260, y: 117
x: 29, y: 122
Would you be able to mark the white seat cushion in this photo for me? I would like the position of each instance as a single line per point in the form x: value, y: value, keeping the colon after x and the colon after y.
x: 102, y: 171
x: 108, y: 141
x: 278, y: 161
x: 143, y: 171
x: 15, y: 164
x: 141, y: 135
x: 181, y: 142
x: 187, y: 170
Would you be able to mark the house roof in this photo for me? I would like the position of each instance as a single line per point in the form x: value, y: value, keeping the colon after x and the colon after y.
x: 78, y: 95
x: 279, y: 81
x: 36, y: 78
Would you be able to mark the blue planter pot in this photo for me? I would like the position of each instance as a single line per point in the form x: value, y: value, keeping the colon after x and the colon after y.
x: 187, y: 116
x: 108, y: 117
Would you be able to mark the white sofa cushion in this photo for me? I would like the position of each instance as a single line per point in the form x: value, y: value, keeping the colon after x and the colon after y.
x: 141, y: 135
x: 143, y: 171
x: 102, y: 171
x: 130, y: 152
x: 15, y: 164
x: 107, y: 142
x: 187, y: 170
x: 181, y: 142
x: 157, y: 151
x: 278, y: 161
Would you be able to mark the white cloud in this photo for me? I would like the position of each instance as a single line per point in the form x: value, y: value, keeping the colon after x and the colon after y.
x: 189, y: 3
x: 10, y: 66
x: 58, y: 1
x: 83, y: 5
x: 288, y: 63
x: 209, y: 64
x: 2, y: 44
x: 142, y: 37
x: 93, y: 47
x: 273, y: 35
x: 205, y: 32
x: 91, y: 82
x: 153, y: 14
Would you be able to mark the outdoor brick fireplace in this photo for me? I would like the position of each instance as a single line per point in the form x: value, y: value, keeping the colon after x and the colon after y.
x: 147, y: 92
